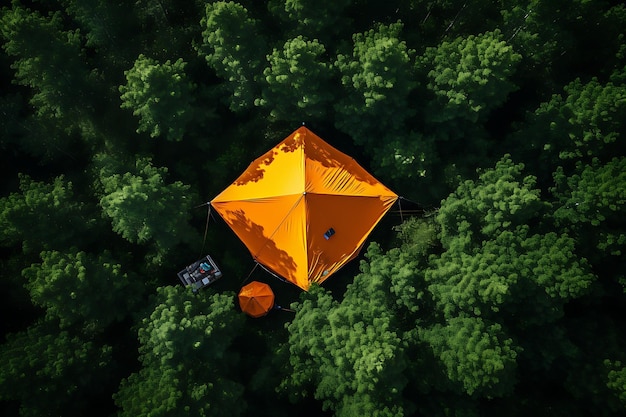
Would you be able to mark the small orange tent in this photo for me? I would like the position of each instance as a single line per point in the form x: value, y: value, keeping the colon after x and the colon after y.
x: 304, y: 209
x: 256, y: 299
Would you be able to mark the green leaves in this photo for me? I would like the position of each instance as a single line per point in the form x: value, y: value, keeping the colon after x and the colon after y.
x: 59, y: 367
x: 477, y: 356
x: 311, y: 17
x: 83, y: 289
x: 592, y: 204
x: 375, y: 111
x: 186, y: 353
x: 585, y: 122
x: 160, y: 95
x: 44, y: 216
x: 501, y: 199
x: 298, y: 82
x: 507, y: 272
x: 233, y: 46
x: 48, y: 60
x: 142, y: 206
x: 377, y: 77
x: 617, y: 379
x: 469, y: 76
x: 357, y: 360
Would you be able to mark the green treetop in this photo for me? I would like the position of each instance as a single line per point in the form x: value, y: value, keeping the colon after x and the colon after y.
x: 61, y: 368
x: 142, y: 206
x: 469, y: 77
x: 79, y: 288
x: 187, y: 356
x: 585, y: 122
x: 378, y: 78
x: 233, y: 45
x: 501, y: 199
x: 45, y: 216
x: 354, y: 362
x: 50, y: 61
x: 298, y: 82
x: 311, y: 18
x: 160, y: 95
x: 478, y: 357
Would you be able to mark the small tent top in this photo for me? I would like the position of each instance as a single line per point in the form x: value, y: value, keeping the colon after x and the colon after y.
x: 256, y: 299
x: 304, y: 209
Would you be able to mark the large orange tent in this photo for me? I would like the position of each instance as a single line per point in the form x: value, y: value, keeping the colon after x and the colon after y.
x: 304, y: 209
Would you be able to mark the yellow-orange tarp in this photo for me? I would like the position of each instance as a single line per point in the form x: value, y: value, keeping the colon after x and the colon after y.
x: 285, y: 202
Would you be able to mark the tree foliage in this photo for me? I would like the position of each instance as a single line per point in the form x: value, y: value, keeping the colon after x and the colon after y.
x: 298, y: 82
x: 44, y: 216
x: 160, y: 95
x: 61, y: 368
x: 355, y: 360
x: 142, y: 206
x: 378, y: 78
x: 583, y: 123
x: 469, y: 77
x: 234, y: 47
x: 76, y: 288
x: 499, y: 289
x: 592, y: 203
x: 187, y: 358
x: 477, y: 356
x: 49, y: 60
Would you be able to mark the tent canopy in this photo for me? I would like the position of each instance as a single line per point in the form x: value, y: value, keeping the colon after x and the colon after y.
x: 304, y: 209
x: 256, y: 299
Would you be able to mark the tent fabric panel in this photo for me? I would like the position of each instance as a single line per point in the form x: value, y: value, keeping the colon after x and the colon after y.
x: 352, y: 219
x: 273, y: 230
x: 280, y: 171
x: 289, y: 238
x: 330, y: 171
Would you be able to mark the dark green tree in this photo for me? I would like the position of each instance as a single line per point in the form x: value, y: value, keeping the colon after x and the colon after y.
x: 60, y: 368
x: 298, y: 82
x: 587, y: 121
x: 617, y: 379
x: 188, y: 359
x: 77, y: 288
x: 314, y: 20
x: 469, y: 77
x: 107, y: 28
x: 160, y: 95
x: 530, y: 276
x: 378, y: 78
x: 592, y: 205
x: 45, y: 216
x: 234, y: 47
x: 355, y: 360
x: 501, y: 199
x: 478, y: 357
x: 50, y: 61
x: 554, y: 38
x: 495, y: 261
x: 142, y: 206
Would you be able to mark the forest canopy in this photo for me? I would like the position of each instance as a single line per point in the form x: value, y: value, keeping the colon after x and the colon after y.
x: 500, y: 288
